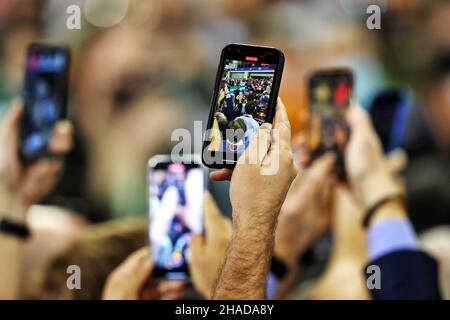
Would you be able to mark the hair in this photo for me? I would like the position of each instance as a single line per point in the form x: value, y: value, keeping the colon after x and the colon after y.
x: 221, y: 120
x: 239, y: 128
x: 97, y: 252
x: 250, y: 107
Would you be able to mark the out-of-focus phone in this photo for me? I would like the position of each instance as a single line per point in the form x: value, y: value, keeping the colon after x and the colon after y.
x: 175, y: 197
x: 389, y: 112
x: 330, y: 93
x: 44, y: 96
x: 245, y: 96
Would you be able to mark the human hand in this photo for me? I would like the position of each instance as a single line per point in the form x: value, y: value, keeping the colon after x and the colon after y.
x: 305, y: 214
x: 208, y: 252
x: 369, y: 172
x: 131, y: 280
x: 269, y: 149
x: 348, y: 253
x: 29, y: 184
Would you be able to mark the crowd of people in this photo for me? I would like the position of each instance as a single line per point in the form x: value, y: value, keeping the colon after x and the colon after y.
x: 242, y: 106
x: 300, y: 233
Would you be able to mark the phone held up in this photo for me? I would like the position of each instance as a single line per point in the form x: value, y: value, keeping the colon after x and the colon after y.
x: 245, y: 96
x: 175, y: 205
x: 45, y: 98
x: 330, y: 94
x: 390, y: 111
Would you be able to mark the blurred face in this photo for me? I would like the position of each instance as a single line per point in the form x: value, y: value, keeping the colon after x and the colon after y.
x: 121, y: 111
x: 439, y: 111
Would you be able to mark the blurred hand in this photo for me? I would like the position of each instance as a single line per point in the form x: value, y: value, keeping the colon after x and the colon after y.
x: 31, y: 183
x: 257, y: 192
x: 305, y: 214
x: 208, y: 252
x: 348, y: 253
x: 369, y: 172
x: 132, y: 281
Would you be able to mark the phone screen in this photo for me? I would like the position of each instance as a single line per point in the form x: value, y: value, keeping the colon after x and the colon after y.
x: 247, y: 88
x: 45, y: 97
x: 330, y: 93
x: 176, y: 214
x: 389, y: 113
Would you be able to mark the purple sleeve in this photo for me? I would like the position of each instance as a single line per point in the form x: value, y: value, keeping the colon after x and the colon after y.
x: 391, y: 235
x: 272, y: 285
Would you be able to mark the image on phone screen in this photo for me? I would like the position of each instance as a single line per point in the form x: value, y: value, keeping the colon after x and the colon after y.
x: 45, y: 97
x: 242, y: 105
x: 329, y: 95
x: 176, y: 214
x: 245, y: 97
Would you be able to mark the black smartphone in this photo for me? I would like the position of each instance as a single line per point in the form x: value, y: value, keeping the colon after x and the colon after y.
x: 175, y: 197
x: 330, y: 93
x: 245, y: 96
x: 389, y: 111
x: 44, y: 96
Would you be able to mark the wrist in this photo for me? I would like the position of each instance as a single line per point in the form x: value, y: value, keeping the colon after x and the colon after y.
x: 254, y: 224
x: 12, y: 208
x: 389, y: 210
x: 375, y: 186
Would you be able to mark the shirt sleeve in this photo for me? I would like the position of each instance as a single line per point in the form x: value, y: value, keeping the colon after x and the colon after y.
x: 391, y: 235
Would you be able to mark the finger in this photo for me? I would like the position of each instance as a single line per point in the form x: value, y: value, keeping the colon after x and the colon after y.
x: 40, y: 178
x: 397, y: 161
x: 259, y: 146
x: 168, y: 286
x: 318, y: 173
x: 195, y: 246
x: 358, y: 119
x: 10, y: 126
x: 62, y: 140
x: 12, y: 119
x: 300, y: 141
x: 135, y: 270
x: 281, y: 135
x: 150, y: 292
x: 221, y: 175
x: 213, y: 216
x: 172, y: 295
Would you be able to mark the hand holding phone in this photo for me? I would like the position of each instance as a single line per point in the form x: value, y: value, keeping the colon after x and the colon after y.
x: 176, y: 212
x: 330, y: 93
x: 44, y: 97
x: 245, y: 96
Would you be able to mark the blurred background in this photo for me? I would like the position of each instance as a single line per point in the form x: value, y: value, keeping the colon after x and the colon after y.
x: 144, y: 68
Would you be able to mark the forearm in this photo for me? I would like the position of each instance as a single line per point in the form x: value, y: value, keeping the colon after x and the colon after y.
x: 247, y: 263
x: 11, y: 249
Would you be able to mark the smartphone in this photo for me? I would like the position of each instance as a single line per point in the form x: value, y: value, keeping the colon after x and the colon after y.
x: 175, y: 197
x: 389, y: 111
x: 330, y: 93
x: 44, y: 96
x: 245, y: 96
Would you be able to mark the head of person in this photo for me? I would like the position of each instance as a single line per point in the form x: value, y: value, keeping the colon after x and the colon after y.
x: 238, y: 128
x: 97, y: 252
x: 264, y: 102
x: 221, y: 120
x: 249, y: 107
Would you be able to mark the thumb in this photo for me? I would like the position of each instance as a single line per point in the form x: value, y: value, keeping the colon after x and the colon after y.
x: 213, y: 216
x: 358, y: 119
x: 397, y: 160
x: 128, y: 278
x: 10, y: 125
